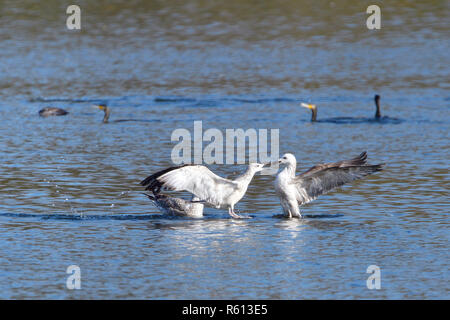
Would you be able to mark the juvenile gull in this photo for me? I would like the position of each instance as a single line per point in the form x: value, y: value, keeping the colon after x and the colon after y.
x: 176, y: 206
x: 294, y: 191
x: 208, y: 187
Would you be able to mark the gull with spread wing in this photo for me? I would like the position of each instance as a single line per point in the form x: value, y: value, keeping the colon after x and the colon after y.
x: 295, y: 191
x: 208, y: 187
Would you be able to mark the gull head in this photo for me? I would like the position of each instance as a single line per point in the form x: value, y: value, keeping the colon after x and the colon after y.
x: 287, y: 159
x: 256, y: 167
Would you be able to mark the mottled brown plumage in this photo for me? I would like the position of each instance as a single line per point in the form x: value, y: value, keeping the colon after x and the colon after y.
x: 297, y: 190
x: 357, y: 161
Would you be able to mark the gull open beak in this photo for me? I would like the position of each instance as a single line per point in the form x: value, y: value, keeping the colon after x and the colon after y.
x: 271, y: 163
x: 270, y: 168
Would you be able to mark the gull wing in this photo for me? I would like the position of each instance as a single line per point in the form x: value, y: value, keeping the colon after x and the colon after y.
x: 323, y: 178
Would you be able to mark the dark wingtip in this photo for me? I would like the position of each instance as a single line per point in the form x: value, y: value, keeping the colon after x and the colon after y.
x: 380, y: 166
x: 359, y: 160
x: 363, y: 156
x: 149, y: 196
x: 374, y: 167
x: 146, y: 181
x: 152, y: 182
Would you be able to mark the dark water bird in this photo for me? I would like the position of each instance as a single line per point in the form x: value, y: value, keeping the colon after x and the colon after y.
x: 107, y: 114
x: 106, y: 111
x: 295, y: 191
x: 376, y: 118
x: 377, y: 104
x: 177, y: 207
x: 50, y: 111
x: 209, y: 188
